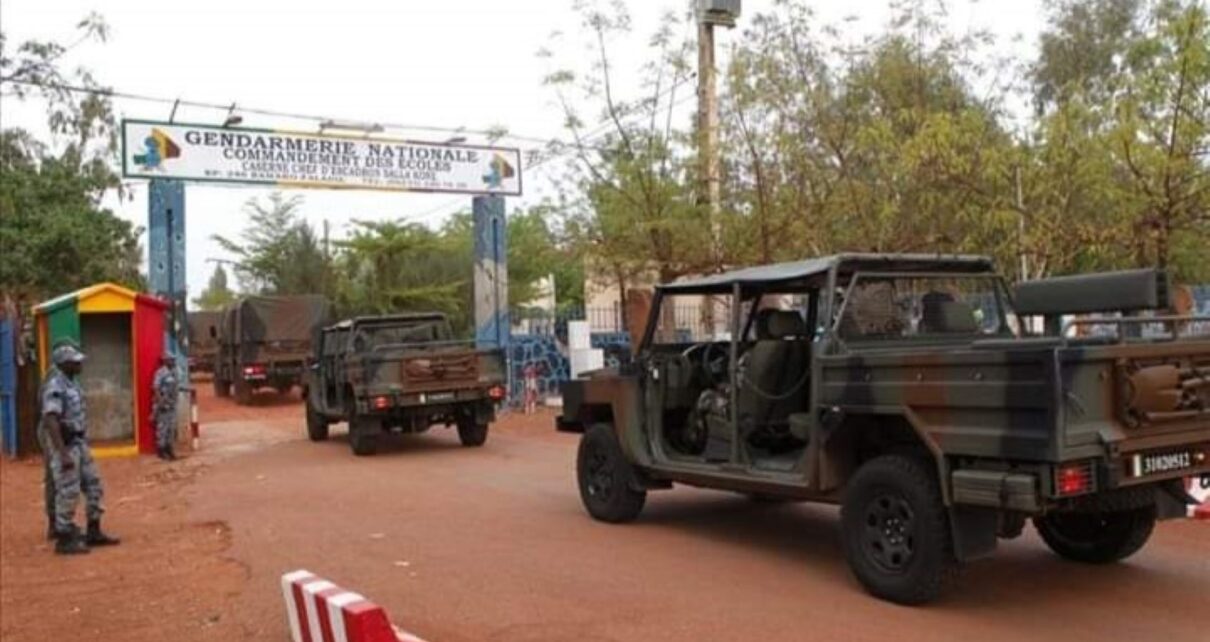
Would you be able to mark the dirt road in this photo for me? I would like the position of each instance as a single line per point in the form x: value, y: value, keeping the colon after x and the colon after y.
x: 491, y: 544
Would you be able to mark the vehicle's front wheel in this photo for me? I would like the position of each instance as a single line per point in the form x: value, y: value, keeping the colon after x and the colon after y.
x: 1096, y: 538
x: 896, y: 530
x: 317, y: 424
x: 605, y: 477
x: 471, y: 432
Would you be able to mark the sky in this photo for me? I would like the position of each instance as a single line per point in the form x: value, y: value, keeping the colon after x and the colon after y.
x: 451, y: 64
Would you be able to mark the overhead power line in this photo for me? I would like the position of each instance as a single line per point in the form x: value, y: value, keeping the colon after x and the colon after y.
x: 226, y: 107
x: 587, y: 141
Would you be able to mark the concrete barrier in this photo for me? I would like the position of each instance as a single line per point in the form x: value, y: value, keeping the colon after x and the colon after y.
x: 319, y: 611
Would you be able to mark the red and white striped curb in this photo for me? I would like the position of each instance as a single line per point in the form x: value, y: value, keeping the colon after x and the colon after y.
x: 319, y: 611
x: 1199, y: 487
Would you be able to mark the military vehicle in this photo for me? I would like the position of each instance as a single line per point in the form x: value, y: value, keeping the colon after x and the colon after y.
x: 203, y: 340
x: 905, y: 389
x: 264, y: 342
x: 401, y: 373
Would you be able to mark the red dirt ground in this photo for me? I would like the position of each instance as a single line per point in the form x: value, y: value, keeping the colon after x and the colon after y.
x: 491, y: 544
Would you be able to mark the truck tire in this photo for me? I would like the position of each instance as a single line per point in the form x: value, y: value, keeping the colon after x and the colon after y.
x: 317, y: 425
x: 471, y: 432
x: 243, y: 392
x: 896, y: 531
x: 1096, y: 538
x: 222, y: 387
x: 605, y: 477
x: 363, y: 434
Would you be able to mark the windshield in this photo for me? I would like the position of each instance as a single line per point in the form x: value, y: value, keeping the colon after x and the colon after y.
x: 693, y: 318
x: 371, y: 336
x: 878, y: 307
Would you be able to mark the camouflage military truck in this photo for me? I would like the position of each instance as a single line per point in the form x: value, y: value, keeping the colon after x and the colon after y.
x: 903, y: 388
x: 401, y: 373
x: 203, y: 340
x: 264, y: 342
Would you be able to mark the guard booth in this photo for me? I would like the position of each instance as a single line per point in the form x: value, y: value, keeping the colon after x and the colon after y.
x: 122, y: 332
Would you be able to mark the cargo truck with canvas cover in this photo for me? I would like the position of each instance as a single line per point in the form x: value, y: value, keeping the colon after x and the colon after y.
x: 401, y: 373
x: 203, y: 340
x: 903, y: 388
x: 264, y: 342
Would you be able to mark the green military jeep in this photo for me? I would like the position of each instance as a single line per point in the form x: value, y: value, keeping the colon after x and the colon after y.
x: 906, y: 389
x: 401, y: 373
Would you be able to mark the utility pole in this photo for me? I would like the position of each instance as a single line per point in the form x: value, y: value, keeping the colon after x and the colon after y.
x: 709, y: 14
x: 1021, y: 225
x: 707, y: 124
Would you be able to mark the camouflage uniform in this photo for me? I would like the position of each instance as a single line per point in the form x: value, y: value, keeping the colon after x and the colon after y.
x: 62, y: 396
x: 164, y: 388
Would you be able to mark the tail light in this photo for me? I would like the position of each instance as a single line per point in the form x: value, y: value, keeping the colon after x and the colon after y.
x: 1076, y: 478
x: 496, y: 393
x: 254, y: 370
x: 382, y: 402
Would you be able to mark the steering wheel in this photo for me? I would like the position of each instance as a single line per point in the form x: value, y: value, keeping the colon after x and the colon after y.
x: 713, y: 367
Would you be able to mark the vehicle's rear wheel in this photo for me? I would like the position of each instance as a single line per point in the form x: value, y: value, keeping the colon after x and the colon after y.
x: 317, y: 425
x: 471, y: 432
x: 243, y: 392
x: 363, y: 435
x: 363, y: 440
x: 896, y: 530
x: 605, y: 477
x: 222, y: 387
x: 1097, y: 538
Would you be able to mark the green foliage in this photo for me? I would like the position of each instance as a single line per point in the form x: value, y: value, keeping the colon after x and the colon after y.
x: 279, y: 252
x: 906, y: 142
x: 54, y: 235
x: 626, y: 204
x: 217, y: 294
x: 398, y: 266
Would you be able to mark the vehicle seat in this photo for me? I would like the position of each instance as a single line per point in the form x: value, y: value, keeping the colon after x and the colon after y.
x: 941, y: 314
x: 772, y: 383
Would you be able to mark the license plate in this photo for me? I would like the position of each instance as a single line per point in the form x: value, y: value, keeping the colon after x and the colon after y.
x: 1152, y: 464
x: 437, y: 397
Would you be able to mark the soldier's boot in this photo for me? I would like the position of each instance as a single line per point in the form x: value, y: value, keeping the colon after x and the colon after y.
x: 170, y: 452
x: 51, y: 534
x: 97, y: 537
x: 69, y: 542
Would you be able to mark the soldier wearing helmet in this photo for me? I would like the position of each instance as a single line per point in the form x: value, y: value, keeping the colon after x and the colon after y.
x: 62, y: 433
x: 163, y: 413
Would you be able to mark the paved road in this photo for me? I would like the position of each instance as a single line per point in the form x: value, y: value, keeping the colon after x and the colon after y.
x: 491, y: 544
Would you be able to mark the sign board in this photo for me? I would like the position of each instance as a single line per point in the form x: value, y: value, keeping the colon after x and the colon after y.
x: 298, y: 159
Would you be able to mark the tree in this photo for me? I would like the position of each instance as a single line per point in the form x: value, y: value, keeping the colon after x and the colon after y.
x: 53, y: 233
x: 279, y: 252
x: 217, y: 294
x: 1162, y: 135
x: 885, y: 147
x: 1125, y: 81
x: 627, y: 200
x: 394, y: 266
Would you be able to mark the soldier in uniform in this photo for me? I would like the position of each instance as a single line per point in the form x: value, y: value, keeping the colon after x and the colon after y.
x: 61, y: 432
x: 164, y: 391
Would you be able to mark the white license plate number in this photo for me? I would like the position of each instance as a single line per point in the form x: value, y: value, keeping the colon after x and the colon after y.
x: 435, y: 397
x: 1162, y: 463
